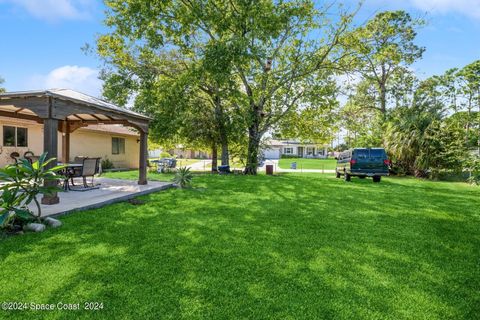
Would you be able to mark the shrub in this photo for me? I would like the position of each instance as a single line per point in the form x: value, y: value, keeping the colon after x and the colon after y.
x: 107, y: 164
x: 289, y: 156
x: 24, y: 183
x: 165, y: 155
x: 474, y: 180
x: 12, y: 209
x: 183, y: 177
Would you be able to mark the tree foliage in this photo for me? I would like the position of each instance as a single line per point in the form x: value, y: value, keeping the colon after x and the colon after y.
x: 255, y: 62
x: 383, y: 48
x: 1, y: 82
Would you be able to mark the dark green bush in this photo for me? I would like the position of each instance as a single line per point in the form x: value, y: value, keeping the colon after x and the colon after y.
x: 107, y: 164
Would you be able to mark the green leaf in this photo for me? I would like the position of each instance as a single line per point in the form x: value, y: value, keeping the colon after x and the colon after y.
x: 5, y: 218
x: 24, y: 214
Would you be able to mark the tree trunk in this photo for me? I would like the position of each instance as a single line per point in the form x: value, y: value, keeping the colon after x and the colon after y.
x: 383, y: 99
x: 252, y: 157
x: 254, y: 137
x: 214, y: 158
x: 225, y: 154
x: 478, y: 123
x: 469, y: 114
x: 222, y: 131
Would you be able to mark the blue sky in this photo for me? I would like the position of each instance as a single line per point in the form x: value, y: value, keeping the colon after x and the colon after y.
x: 42, y: 39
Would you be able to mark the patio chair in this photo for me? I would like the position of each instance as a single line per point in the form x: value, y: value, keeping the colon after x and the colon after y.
x: 15, y: 156
x: 75, y: 172
x: 30, y: 156
x: 89, y: 169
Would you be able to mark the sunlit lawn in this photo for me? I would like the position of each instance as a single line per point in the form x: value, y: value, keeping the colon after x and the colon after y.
x: 303, y: 163
x: 281, y: 247
x: 133, y: 175
x: 183, y: 162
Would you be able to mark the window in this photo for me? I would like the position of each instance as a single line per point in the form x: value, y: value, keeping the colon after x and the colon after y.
x: 377, y: 153
x: 310, y: 151
x: 361, y: 153
x: 22, y: 137
x: 288, y: 150
x: 118, y: 145
x: 15, y: 137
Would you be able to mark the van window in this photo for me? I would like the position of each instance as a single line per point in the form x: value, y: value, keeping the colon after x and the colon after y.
x: 377, y: 153
x: 361, y: 154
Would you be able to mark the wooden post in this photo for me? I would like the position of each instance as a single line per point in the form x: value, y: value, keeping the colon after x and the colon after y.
x: 66, y: 144
x: 142, y: 168
x: 50, y: 145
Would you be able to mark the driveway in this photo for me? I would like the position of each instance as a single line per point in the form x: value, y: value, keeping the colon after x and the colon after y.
x: 276, y: 168
x: 201, y: 165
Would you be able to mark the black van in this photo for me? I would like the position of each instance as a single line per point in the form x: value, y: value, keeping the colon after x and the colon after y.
x: 363, y: 162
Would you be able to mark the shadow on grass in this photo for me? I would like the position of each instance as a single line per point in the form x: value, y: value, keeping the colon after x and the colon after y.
x: 298, y: 246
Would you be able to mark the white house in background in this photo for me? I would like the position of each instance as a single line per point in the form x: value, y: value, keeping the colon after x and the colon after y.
x: 274, y: 149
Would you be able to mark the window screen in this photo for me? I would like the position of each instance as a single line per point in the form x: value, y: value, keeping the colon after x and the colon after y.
x: 8, y: 136
x: 22, y: 137
x: 118, y: 145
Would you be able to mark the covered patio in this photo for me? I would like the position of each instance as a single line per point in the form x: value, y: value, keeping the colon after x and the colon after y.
x: 64, y: 111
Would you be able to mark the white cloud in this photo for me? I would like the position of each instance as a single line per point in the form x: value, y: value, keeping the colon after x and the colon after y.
x: 83, y: 79
x: 469, y: 8
x: 53, y: 10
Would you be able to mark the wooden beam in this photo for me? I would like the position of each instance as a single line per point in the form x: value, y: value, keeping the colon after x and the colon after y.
x: 20, y: 116
x: 50, y: 145
x: 78, y: 117
x: 87, y: 122
x: 142, y: 168
x: 66, y: 145
x: 39, y: 105
x: 62, y: 109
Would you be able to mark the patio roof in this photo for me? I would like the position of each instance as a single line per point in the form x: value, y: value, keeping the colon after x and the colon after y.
x: 67, y: 105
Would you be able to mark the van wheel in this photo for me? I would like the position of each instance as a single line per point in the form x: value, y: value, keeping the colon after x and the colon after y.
x: 347, y: 177
x: 376, y: 178
x: 337, y: 174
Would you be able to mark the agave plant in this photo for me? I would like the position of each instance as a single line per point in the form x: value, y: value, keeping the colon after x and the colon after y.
x: 24, y: 182
x: 183, y: 177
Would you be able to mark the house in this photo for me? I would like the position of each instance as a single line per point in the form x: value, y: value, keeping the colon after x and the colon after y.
x: 275, y: 149
x: 117, y: 143
x: 185, y: 153
x: 181, y: 152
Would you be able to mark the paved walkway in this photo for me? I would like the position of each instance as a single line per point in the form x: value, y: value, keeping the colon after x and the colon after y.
x: 201, y: 165
x: 110, y: 191
x: 276, y: 168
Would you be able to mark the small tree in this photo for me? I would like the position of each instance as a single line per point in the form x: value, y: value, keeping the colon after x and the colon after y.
x: 384, y: 46
x: 25, y: 181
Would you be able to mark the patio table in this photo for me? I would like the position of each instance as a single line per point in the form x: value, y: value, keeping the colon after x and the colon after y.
x: 68, y: 172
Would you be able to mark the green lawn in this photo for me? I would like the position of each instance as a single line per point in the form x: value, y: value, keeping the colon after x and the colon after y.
x: 290, y: 246
x: 133, y: 175
x: 320, y: 164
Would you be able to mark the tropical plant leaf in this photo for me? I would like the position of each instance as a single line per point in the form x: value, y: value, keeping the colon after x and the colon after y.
x: 23, y: 214
x: 6, y: 218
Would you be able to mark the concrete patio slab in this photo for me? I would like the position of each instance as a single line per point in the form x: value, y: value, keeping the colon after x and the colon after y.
x: 110, y: 191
